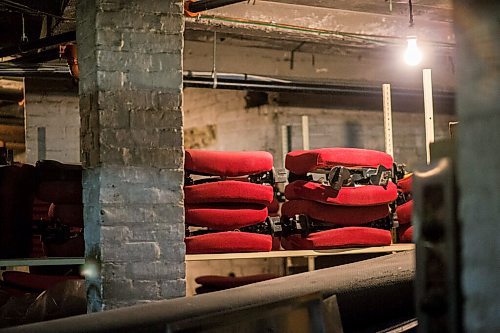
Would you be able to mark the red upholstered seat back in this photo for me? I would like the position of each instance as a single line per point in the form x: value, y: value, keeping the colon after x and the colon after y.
x: 405, y: 233
x: 405, y: 185
x: 228, y: 191
x: 301, y: 162
x: 227, y: 163
x: 17, y: 190
x: 338, y: 215
x: 405, y: 212
x: 61, y: 184
x: 34, y: 282
x: 368, y: 195
x: 338, y: 238
x: 225, y: 217
x: 228, y: 241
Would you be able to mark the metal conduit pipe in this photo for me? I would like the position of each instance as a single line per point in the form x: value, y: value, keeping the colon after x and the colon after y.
x: 369, y: 293
x: 231, y: 81
x: 235, y: 81
x: 202, y: 5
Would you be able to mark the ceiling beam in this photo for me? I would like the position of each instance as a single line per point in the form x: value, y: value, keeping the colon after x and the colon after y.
x: 319, y: 23
x: 437, y: 10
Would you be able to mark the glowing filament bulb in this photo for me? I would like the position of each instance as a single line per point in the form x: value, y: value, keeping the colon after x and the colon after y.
x: 413, y: 55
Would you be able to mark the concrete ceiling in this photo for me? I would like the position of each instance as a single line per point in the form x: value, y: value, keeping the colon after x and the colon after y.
x: 358, y: 23
x: 363, y: 17
x: 439, y: 10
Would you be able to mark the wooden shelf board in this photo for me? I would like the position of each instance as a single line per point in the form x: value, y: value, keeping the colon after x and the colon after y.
x: 42, y: 261
x: 224, y: 256
x: 300, y: 253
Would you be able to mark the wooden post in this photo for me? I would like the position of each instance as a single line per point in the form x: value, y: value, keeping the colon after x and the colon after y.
x: 429, y: 112
x: 386, y: 94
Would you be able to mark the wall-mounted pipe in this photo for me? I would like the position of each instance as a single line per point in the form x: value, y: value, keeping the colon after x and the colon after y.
x: 37, y: 44
x: 70, y: 53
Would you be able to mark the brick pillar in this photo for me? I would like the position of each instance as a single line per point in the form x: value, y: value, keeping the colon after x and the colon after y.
x: 130, y: 58
x: 478, y: 90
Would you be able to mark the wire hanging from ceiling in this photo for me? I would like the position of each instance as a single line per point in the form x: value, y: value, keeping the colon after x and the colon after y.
x: 411, y: 13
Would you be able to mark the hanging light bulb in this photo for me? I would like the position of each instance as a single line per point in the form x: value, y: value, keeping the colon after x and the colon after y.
x: 413, y: 55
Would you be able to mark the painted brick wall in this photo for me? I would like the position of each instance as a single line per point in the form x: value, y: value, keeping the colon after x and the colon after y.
x: 52, y: 109
x: 234, y: 127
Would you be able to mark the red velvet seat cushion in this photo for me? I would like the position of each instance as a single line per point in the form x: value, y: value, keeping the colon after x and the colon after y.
x: 405, y: 185
x: 228, y: 242
x: 227, y: 163
x: 339, y: 215
x: 405, y: 233
x: 17, y: 191
x: 225, y: 216
x: 228, y: 191
x: 33, y: 281
x: 338, y: 238
x: 301, y: 162
x: 226, y: 282
x: 405, y: 212
x: 368, y: 195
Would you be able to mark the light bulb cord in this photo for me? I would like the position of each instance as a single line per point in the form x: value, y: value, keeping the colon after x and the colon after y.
x: 411, y: 12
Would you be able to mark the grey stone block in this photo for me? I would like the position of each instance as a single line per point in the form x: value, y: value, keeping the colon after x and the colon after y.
x: 130, y: 252
x: 117, y: 214
x: 160, y: 270
x: 115, y: 234
x: 151, y: 43
x: 158, y: 232
x: 111, y: 270
x: 173, y: 288
x: 161, y: 117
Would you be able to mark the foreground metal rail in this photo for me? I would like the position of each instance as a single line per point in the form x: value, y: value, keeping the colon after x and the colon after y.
x: 369, y: 293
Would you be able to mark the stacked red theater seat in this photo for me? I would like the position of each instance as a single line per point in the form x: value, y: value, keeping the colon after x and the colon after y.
x: 347, y: 215
x: 17, y: 188
x: 61, y: 185
x: 224, y: 201
x: 404, y: 209
x: 40, y: 216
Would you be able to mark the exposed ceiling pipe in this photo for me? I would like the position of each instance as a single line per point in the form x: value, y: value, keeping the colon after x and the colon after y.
x: 33, y: 70
x: 37, y: 44
x: 235, y: 81
x: 69, y: 52
x: 192, y: 7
